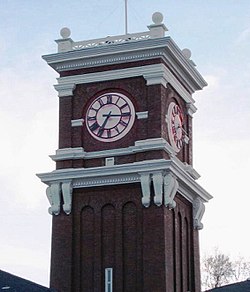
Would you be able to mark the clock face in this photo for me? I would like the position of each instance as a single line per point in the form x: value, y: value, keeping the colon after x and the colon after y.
x: 110, y: 117
x: 174, y: 119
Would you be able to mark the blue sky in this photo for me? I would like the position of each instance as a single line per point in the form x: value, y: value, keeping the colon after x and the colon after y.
x: 218, y: 34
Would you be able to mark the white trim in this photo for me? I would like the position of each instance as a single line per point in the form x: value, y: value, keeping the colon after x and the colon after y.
x: 126, y: 173
x: 142, y: 115
x: 164, y: 48
x: 166, y: 176
x: 108, y: 279
x: 153, y: 74
x: 140, y: 146
x: 109, y: 161
x: 77, y: 123
x: 198, y: 212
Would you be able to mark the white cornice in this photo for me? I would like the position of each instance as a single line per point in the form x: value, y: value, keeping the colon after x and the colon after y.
x: 164, y: 48
x: 140, y: 146
x: 127, y: 173
x: 153, y: 74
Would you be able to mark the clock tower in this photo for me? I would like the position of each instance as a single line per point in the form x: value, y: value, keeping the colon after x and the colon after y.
x: 124, y: 198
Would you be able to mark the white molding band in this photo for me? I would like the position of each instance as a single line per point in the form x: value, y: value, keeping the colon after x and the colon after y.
x: 77, y: 123
x: 142, y: 115
x: 140, y: 146
x: 166, y: 175
x: 153, y: 74
x: 164, y: 48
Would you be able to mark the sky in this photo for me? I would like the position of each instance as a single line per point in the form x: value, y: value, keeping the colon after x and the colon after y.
x: 218, y: 34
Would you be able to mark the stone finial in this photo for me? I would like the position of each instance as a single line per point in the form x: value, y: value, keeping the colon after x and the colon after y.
x: 187, y: 53
x: 65, y: 43
x: 157, y: 18
x: 65, y: 32
x: 157, y: 29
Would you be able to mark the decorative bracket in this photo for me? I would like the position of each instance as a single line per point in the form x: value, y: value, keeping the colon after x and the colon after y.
x: 67, y: 197
x: 170, y: 188
x: 198, y: 211
x: 158, y: 184
x: 145, y: 187
x: 167, y: 183
x: 53, y: 193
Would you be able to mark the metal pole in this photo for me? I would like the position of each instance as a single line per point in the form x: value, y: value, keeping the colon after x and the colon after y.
x: 126, y: 16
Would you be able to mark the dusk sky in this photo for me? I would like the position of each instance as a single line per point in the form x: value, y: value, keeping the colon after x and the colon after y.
x: 218, y: 34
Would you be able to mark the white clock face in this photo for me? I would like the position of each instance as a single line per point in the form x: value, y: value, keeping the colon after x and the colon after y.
x: 110, y: 117
x: 174, y: 119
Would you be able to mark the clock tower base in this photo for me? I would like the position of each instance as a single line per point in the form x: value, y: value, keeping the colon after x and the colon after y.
x: 148, y: 249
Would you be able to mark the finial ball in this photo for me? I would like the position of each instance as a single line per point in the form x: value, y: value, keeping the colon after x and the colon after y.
x: 187, y: 53
x: 65, y: 32
x: 157, y: 18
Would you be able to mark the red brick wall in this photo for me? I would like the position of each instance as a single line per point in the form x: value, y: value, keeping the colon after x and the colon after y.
x: 154, y: 99
x: 150, y: 249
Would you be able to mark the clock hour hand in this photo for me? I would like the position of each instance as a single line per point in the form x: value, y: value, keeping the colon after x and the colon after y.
x: 117, y: 115
x: 101, y: 129
x: 106, y: 120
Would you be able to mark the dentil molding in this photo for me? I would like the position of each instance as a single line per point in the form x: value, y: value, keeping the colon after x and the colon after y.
x: 165, y: 176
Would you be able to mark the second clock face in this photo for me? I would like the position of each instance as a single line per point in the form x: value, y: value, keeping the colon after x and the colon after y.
x: 175, y: 119
x: 110, y: 117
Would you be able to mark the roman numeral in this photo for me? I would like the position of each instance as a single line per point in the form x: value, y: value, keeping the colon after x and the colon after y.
x: 179, y: 144
x: 100, y: 132
x: 128, y: 114
x: 92, y: 118
x: 100, y: 102
x: 109, y: 133
x: 123, y: 106
x: 123, y: 123
x: 109, y: 99
x: 94, y: 126
x: 117, y: 130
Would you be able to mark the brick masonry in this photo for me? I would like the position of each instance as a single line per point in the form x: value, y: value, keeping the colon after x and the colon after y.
x: 149, y: 249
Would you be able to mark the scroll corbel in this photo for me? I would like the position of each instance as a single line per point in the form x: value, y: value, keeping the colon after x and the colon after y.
x: 198, y: 211
x: 170, y: 188
x: 67, y: 197
x: 145, y: 187
x: 53, y: 193
x: 158, y: 187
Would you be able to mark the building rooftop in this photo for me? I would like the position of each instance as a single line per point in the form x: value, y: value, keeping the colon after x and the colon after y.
x: 11, y: 283
x: 236, y: 287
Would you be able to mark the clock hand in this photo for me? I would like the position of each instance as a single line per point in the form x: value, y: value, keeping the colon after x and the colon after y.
x: 106, y: 120
x: 116, y: 115
x: 101, y: 129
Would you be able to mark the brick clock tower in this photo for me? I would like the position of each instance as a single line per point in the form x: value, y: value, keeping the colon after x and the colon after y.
x: 124, y: 198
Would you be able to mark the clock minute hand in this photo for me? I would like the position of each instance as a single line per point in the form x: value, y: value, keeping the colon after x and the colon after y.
x: 106, y: 120
x: 116, y: 115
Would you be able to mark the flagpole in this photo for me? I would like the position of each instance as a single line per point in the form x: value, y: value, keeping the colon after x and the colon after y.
x: 126, y: 16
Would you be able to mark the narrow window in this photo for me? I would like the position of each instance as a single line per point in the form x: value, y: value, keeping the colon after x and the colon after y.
x: 109, y: 280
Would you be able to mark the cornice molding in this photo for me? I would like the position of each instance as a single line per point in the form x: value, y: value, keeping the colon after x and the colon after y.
x: 166, y: 176
x: 164, y: 48
x: 139, y: 146
x: 153, y: 74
